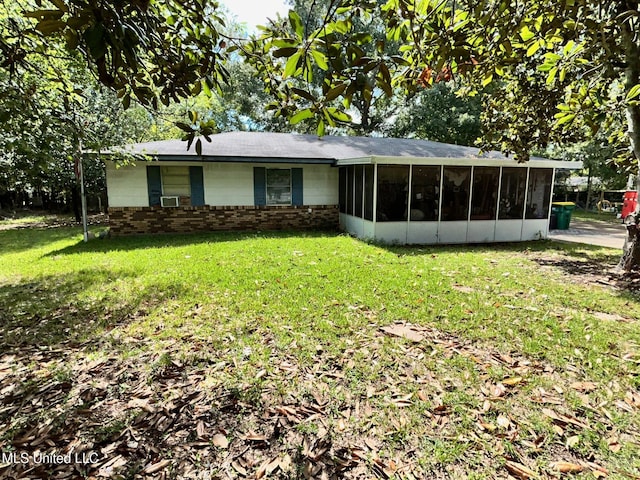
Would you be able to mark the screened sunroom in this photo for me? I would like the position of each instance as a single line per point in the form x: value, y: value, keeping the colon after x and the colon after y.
x: 449, y: 200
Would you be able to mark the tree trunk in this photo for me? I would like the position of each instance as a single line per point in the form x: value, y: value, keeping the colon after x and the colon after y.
x: 631, y: 257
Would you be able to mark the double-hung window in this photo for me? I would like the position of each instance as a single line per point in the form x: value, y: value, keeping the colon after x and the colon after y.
x: 278, y: 186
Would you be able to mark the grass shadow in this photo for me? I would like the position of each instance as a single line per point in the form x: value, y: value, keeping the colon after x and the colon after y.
x: 22, y: 239
x: 138, y: 242
x: 69, y: 309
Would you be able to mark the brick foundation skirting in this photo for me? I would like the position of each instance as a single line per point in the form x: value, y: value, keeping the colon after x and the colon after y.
x: 142, y: 220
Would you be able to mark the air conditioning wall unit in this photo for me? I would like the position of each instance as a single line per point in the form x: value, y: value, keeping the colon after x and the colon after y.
x: 172, y: 201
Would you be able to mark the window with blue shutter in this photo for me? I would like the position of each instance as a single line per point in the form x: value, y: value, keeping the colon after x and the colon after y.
x: 296, y: 186
x: 154, y: 185
x: 196, y: 179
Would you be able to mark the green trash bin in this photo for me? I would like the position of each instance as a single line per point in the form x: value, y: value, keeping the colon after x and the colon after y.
x: 563, y: 211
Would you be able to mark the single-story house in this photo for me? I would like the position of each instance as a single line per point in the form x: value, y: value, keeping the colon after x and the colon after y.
x: 387, y: 189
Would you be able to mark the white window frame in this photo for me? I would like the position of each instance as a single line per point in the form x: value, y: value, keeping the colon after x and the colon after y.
x: 269, y: 201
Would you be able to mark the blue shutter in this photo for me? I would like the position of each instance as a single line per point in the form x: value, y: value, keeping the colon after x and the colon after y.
x: 154, y: 185
x: 296, y: 186
x: 259, y: 186
x: 197, y: 186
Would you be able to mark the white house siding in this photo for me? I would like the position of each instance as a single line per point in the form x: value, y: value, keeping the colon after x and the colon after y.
x: 228, y: 184
x: 320, y: 185
x: 225, y: 184
x: 535, y: 229
x: 127, y: 186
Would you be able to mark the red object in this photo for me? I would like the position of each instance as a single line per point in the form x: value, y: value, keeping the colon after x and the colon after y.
x: 629, y: 204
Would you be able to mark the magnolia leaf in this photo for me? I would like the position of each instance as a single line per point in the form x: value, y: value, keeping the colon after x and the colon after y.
x: 48, y: 27
x: 519, y: 471
x: 633, y: 93
x: 487, y: 80
x: 566, y: 467
x: 320, y: 59
x: 526, y: 34
x: 564, y: 118
x: 296, y: 23
x: 285, y: 52
x: 45, y: 14
x: 301, y: 115
x: 303, y: 94
x: 338, y: 115
x: 335, y: 92
x: 220, y: 441
x: 533, y: 48
x: 292, y: 65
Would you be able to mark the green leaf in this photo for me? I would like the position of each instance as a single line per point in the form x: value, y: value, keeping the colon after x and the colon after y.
x: 320, y: 59
x: 284, y: 52
x: 487, y: 80
x: 292, y: 65
x: 633, y: 93
x: 62, y: 6
x: 533, y: 48
x: 296, y: 23
x: 199, y: 146
x: 564, y: 117
x: 400, y: 61
x: 284, y: 42
x: 335, y: 92
x: 303, y: 94
x: 45, y: 14
x: 526, y: 34
x: 48, y: 27
x: 300, y: 116
x: 338, y: 115
x: 320, y: 130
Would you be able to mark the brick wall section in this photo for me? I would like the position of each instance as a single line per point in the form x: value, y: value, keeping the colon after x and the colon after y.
x: 142, y: 220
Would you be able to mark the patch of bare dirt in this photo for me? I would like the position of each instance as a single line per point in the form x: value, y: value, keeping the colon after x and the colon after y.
x: 51, y: 221
x: 588, y: 271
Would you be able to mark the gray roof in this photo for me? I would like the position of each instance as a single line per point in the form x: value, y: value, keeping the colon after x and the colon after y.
x: 287, y: 146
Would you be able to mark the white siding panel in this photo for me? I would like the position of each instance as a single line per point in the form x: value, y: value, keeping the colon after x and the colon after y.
x: 127, y: 185
x: 452, y: 232
x: 508, y: 230
x: 481, y: 231
x: 228, y: 184
x: 352, y: 225
x: 422, y: 233
x: 535, y: 229
x: 392, y: 232
x: 320, y: 185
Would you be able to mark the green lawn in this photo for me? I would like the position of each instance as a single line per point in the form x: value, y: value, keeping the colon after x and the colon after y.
x: 264, y: 355
x: 606, y: 217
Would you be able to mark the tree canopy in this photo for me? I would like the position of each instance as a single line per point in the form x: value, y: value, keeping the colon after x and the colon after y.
x: 560, y: 70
